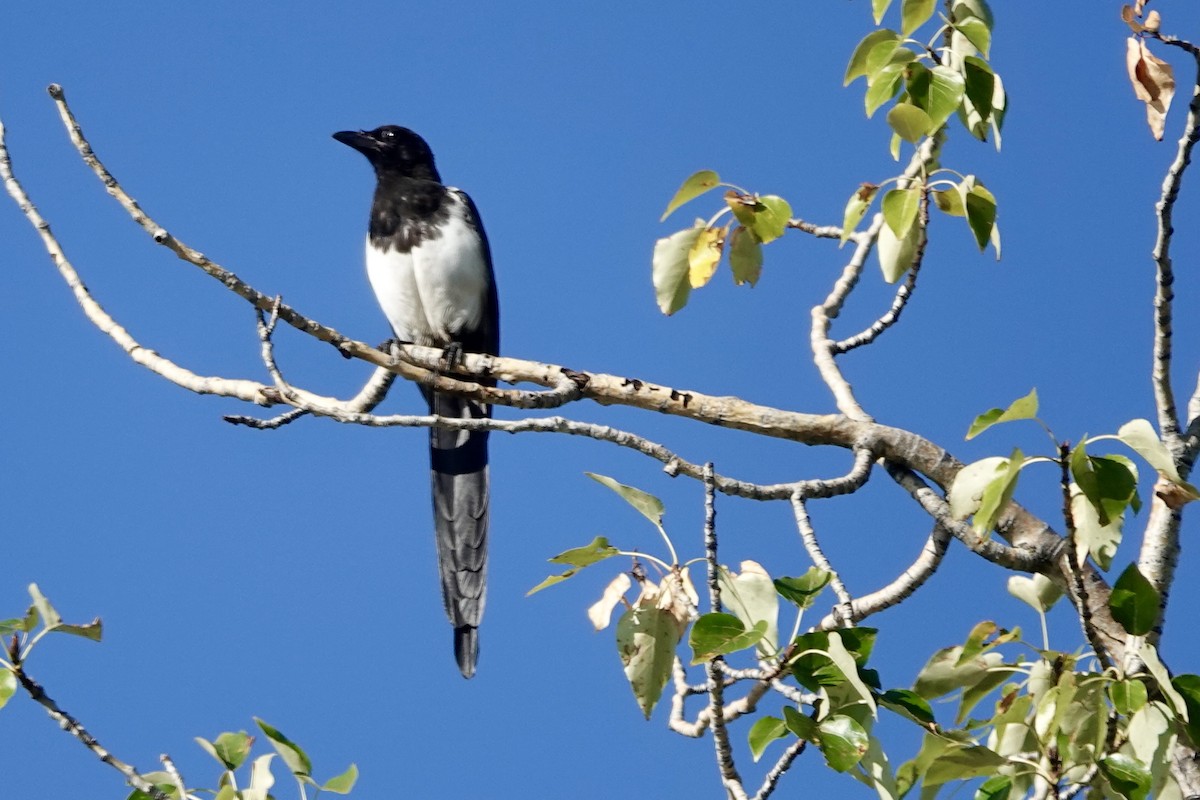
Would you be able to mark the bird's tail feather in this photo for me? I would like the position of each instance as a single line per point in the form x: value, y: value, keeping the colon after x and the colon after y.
x: 459, y: 461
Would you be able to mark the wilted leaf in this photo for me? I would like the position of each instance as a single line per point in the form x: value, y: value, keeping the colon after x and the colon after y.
x: 1022, y: 408
x: 1153, y: 82
x: 764, y: 731
x: 1134, y: 602
x: 671, y: 270
x: 856, y: 207
x: 600, y: 612
x: 745, y: 256
x: 693, y: 187
x: 92, y: 630
x: 705, y: 255
x: 646, y: 640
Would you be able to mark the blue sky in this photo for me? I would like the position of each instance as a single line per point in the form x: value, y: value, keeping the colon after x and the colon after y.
x: 290, y: 574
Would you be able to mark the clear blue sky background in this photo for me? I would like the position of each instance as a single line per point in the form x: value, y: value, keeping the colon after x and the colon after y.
x: 290, y: 574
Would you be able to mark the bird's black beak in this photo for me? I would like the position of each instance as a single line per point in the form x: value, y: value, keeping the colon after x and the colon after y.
x: 359, y: 140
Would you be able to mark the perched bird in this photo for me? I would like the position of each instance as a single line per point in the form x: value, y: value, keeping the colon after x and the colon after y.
x: 429, y: 264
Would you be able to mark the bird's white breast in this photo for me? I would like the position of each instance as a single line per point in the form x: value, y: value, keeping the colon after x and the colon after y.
x: 437, y: 291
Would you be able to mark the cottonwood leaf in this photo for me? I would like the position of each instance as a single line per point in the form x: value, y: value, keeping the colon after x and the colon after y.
x: 1153, y: 83
x: 696, y: 185
x: 671, y: 269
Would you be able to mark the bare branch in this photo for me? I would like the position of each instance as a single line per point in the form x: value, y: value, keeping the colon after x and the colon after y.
x: 781, y: 766
x: 72, y: 726
x: 809, y: 537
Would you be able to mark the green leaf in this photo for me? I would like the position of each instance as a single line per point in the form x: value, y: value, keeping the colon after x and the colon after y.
x: 981, y: 214
x: 1127, y: 776
x: 938, y: 92
x: 1129, y: 695
x: 997, y: 494
x: 229, y: 749
x: 1022, y: 408
x: 751, y: 595
x: 799, y: 724
x: 764, y: 731
x: 717, y: 634
x: 908, y: 703
x: 671, y: 270
x: 896, y: 255
x: 949, y: 202
x: 1188, y: 687
x: 942, y: 674
x: 8, y: 685
x: 909, y: 122
x: 900, y: 208
x: 886, y: 81
x: 1036, y: 591
x: 879, y: 8
x: 646, y: 642
x: 858, y: 66
x: 1134, y: 602
x: 978, y: 639
x: 293, y: 756
x: 745, y: 256
x: 848, y: 665
x: 977, y: 32
x: 693, y: 187
x: 803, y: 591
x: 1149, y: 656
x: 843, y: 741
x: 856, y: 208
x: 996, y: 787
x: 646, y: 504
x: 814, y: 666
x: 771, y: 221
x: 966, y: 492
x: 1139, y: 435
x: 50, y: 617
x: 18, y: 625
x: 577, y: 558
x: 962, y: 763
x: 914, y: 14
x: 342, y: 784
x: 91, y: 630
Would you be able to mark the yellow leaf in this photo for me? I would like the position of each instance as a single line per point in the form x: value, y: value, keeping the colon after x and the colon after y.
x: 705, y: 255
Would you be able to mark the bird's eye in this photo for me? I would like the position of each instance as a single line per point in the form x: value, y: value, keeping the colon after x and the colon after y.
x: 387, y: 134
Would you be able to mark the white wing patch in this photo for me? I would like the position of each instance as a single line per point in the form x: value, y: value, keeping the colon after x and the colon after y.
x: 438, y: 291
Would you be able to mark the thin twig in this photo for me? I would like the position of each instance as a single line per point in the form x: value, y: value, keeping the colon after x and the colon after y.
x: 72, y: 726
x: 809, y: 537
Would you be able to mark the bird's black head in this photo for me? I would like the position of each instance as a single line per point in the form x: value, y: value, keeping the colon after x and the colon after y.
x: 393, y: 150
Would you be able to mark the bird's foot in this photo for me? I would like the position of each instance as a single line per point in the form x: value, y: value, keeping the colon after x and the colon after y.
x: 452, y: 356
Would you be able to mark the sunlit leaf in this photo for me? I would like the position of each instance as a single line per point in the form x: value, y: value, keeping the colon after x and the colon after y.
x: 764, y: 731
x: 1153, y: 82
x: 856, y: 208
x: 900, y: 208
x: 671, y: 270
x: 943, y: 673
x: 751, y: 595
x: 50, y: 617
x: 909, y: 122
x: 1139, y: 435
x: 914, y: 14
x: 896, y: 255
x: 966, y: 492
x: 342, y: 784
x: 693, y: 187
x: 600, y: 612
x: 1037, y: 591
x: 998, y: 494
x: 229, y: 749
x: 1127, y: 775
x: 858, y: 66
x: 647, y: 504
x: 1022, y: 408
x: 8, y: 685
x: 705, y: 255
x: 803, y: 591
x: 577, y: 558
x: 292, y: 754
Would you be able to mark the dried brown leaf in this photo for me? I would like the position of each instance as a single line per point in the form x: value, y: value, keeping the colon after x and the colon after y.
x: 1153, y: 83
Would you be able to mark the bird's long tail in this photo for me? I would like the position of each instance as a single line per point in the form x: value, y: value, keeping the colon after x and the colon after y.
x: 459, y: 461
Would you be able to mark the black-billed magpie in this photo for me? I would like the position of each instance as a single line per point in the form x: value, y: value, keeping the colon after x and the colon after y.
x: 429, y: 264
